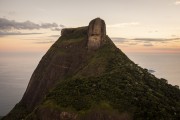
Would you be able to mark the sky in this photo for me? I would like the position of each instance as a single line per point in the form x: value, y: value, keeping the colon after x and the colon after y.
x: 145, y: 30
x: 148, y: 26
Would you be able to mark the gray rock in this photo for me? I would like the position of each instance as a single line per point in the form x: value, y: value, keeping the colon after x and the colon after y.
x: 96, y: 33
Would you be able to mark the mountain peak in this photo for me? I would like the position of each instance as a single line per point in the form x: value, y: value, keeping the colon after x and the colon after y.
x: 84, y: 76
x: 96, y: 33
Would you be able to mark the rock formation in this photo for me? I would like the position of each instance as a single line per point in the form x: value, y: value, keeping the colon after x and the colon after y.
x: 60, y: 61
x: 84, y: 76
x: 96, y: 33
x: 54, y: 66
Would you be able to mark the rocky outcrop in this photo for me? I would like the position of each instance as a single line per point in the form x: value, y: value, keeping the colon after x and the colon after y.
x: 67, y: 31
x: 84, y: 76
x: 62, y: 60
x: 65, y: 58
x: 96, y: 33
x: 75, y: 31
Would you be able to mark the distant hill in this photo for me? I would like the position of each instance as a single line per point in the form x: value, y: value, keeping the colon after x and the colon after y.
x: 84, y: 76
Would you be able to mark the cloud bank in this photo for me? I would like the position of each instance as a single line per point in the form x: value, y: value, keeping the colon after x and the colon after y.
x: 7, y: 27
x: 15, y: 33
x: 148, y: 42
x: 6, y: 24
x: 156, y: 39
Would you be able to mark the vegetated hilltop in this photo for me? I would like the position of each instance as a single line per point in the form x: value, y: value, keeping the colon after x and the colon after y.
x: 84, y: 76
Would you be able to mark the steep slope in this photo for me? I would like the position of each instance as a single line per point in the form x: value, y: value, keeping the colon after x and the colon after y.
x: 60, y: 61
x: 85, y: 76
x: 124, y: 91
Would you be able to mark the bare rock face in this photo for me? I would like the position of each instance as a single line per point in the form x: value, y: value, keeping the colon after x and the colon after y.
x: 80, y: 31
x: 61, y: 60
x: 66, y: 31
x: 96, y: 33
x: 66, y: 57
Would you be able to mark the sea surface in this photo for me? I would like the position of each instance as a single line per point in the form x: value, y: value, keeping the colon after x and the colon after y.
x: 17, y: 68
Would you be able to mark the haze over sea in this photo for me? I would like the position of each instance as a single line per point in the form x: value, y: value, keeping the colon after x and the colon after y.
x: 17, y: 68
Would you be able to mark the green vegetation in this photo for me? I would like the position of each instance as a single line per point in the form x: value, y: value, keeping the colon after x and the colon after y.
x: 120, y: 86
x: 19, y: 112
x: 121, y: 93
x: 105, y: 84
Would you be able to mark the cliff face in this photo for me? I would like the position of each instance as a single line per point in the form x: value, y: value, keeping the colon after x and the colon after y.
x: 96, y: 33
x: 84, y: 76
x: 62, y: 60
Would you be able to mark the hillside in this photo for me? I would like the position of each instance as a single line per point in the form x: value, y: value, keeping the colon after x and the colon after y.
x: 84, y: 76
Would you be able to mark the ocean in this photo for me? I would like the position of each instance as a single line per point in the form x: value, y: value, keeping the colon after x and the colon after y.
x: 17, y: 68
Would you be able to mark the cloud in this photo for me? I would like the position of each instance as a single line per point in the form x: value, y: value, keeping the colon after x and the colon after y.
x: 7, y: 27
x: 177, y: 2
x: 133, y: 43
x: 119, y: 40
x: 48, y: 25
x: 156, y: 39
x: 123, y: 24
x: 44, y: 42
x: 54, y: 36
x: 6, y: 24
x: 56, y: 29
x: 2, y: 34
x: 126, y: 41
x: 148, y: 44
x: 62, y: 26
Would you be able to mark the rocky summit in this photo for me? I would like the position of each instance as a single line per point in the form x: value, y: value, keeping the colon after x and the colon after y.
x: 84, y: 76
x: 96, y: 33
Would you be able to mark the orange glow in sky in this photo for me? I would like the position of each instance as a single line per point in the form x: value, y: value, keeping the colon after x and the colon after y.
x: 137, y: 26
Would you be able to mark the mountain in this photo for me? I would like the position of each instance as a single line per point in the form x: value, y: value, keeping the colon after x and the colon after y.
x: 84, y: 76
